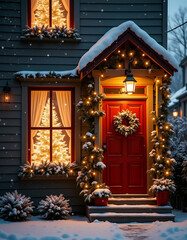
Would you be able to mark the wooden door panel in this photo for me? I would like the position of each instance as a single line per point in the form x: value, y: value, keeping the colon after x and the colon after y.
x: 135, y: 146
x: 116, y: 174
x: 138, y: 109
x: 114, y: 147
x: 125, y: 157
x: 111, y: 111
x: 135, y: 175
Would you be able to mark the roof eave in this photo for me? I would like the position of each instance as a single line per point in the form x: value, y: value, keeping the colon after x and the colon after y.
x: 129, y: 35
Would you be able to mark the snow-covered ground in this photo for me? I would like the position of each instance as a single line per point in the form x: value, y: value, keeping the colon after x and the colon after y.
x: 78, y: 228
x: 158, y: 230
x: 75, y: 228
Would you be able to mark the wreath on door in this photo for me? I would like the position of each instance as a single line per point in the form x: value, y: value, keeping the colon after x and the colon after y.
x: 132, y: 119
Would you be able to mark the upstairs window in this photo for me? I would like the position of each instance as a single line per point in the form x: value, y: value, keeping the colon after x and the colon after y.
x: 51, y: 13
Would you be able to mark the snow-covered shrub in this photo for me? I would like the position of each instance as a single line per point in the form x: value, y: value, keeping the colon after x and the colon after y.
x: 15, y: 207
x: 178, y: 148
x: 162, y: 184
x: 54, y: 207
x: 101, y: 193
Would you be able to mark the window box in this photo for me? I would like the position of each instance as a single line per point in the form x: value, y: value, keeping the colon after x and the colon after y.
x: 50, y: 177
x: 51, y: 20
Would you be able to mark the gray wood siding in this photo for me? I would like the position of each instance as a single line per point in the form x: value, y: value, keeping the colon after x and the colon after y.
x: 95, y: 18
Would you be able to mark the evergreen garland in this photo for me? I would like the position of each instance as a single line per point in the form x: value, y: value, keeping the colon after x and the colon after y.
x: 163, y: 163
x: 92, y: 155
x: 46, y: 168
x: 50, y: 33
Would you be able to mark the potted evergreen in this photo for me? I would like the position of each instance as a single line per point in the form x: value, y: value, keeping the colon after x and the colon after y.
x: 162, y: 187
x: 100, y: 196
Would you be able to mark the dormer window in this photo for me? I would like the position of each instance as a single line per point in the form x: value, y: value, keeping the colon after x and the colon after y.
x: 51, y: 13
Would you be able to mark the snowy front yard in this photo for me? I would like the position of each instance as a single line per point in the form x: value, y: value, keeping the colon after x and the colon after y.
x: 78, y: 228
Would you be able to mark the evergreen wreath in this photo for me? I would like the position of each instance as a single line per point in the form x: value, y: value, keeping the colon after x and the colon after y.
x: 133, y: 122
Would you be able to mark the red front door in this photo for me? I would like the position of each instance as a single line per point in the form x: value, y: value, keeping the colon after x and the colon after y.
x: 125, y: 157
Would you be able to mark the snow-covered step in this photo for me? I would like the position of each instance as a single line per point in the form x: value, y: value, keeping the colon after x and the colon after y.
x: 126, y: 208
x: 131, y: 217
x: 132, y: 201
x: 126, y: 195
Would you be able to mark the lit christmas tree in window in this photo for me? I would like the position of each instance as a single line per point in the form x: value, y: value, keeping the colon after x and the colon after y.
x: 42, y: 13
x: 41, y: 150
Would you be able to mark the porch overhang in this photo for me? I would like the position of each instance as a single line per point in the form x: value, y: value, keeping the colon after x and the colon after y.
x: 162, y: 58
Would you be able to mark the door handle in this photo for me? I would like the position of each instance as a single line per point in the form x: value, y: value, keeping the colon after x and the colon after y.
x: 104, y: 147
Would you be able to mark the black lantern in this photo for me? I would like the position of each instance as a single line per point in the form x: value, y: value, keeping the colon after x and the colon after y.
x: 129, y: 82
x: 6, y: 91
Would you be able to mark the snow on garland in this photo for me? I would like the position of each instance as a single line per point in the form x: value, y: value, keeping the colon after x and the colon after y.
x: 54, y: 207
x: 163, y: 184
x: 46, y: 168
x: 46, y: 74
x: 15, y: 207
x: 46, y: 32
x: 133, y: 122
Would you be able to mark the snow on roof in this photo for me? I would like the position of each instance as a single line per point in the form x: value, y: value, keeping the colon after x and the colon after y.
x: 174, y: 97
x: 113, y: 34
x: 47, y: 74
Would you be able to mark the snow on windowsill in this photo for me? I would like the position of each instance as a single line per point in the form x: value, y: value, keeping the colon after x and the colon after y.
x: 47, y: 74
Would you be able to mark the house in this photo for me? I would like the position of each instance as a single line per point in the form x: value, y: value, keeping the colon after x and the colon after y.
x: 178, y: 99
x: 39, y: 118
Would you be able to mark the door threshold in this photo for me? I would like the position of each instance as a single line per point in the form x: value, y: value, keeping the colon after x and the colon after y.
x: 126, y: 195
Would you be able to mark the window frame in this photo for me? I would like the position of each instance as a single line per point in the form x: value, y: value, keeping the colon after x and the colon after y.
x: 51, y: 128
x: 72, y: 21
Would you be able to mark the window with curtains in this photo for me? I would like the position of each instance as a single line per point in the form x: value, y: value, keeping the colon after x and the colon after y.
x: 51, y: 13
x: 50, y: 125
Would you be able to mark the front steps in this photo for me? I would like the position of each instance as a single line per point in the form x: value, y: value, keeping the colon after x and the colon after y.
x: 130, y: 209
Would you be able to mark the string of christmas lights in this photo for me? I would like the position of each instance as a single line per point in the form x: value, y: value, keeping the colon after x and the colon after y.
x: 163, y: 164
x: 91, y: 164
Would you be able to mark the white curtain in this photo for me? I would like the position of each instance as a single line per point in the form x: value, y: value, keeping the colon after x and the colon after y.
x: 66, y: 4
x: 38, y: 100
x: 34, y: 4
x: 64, y: 105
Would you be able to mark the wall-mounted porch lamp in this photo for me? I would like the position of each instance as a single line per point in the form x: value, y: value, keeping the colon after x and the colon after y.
x: 6, y: 91
x: 175, y: 113
x: 129, y: 82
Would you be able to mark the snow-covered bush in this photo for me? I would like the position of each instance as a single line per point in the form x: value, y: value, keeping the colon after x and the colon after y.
x: 163, y: 184
x: 178, y: 148
x: 101, y: 193
x: 15, y: 207
x: 54, y: 207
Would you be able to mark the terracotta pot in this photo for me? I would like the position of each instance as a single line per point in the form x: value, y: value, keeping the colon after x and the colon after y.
x: 101, y: 201
x: 162, y: 198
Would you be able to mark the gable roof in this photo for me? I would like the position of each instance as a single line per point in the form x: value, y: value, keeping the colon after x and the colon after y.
x: 117, y: 36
